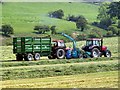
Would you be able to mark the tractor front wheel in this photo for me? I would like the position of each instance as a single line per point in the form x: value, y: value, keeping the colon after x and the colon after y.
x: 107, y: 53
x: 60, y: 53
x: 95, y: 52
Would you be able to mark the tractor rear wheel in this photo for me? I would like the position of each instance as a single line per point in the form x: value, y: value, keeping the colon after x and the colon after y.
x: 28, y: 57
x: 60, y: 53
x: 36, y: 56
x: 95, y: 52
x: 107, y: 53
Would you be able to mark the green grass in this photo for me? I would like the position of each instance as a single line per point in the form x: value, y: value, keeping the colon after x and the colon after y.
x: 54, y: 61
x: 90, y: 80
x: 41, y: 71
x: 24, y: 16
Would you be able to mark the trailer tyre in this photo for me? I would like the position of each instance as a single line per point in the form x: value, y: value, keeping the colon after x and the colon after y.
x: 36, y: 56
x: 60, y: 54
x: 95, y: 52
x: 29, y: 57
x: 107, y: 53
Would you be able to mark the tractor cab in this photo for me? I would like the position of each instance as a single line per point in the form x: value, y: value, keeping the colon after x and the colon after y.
x: 93, y: 43
x: 58, y: 43
x: 58, y: 49
x: 95, y: 46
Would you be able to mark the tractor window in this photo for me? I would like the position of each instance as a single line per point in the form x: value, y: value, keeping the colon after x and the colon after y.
x: 88, y: 43
x: 61, y: 44
x: 96, y: 42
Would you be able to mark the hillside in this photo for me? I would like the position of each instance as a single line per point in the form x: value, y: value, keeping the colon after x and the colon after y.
x: 24, y: 16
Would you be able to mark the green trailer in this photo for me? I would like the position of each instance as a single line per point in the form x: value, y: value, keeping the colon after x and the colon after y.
x: 31, y: 47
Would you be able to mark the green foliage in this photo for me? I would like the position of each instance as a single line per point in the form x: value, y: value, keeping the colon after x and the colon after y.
x: 105, y: 23
x: 57, y: 14
x: 103, y: 11
x: 81, y: 23
x: 7, y: 29
x: 42, y: 29
x: 119, y: 24
x: 53, y: 29
x: 119, y: 32
x: 113, y: 29
x: 114, y: 9
x: 74, y: 18
x: 109, y: 33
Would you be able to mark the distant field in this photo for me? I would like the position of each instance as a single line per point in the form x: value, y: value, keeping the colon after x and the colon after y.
x: 24, y: 16
x: 90, y: 80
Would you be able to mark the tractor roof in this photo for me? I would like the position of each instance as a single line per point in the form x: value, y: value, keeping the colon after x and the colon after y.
x: 98, y: 39
x: 58, y: 40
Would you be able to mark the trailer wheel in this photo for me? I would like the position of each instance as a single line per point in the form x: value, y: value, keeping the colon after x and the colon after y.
x: 60, y: 54
x: 36, y: 56
x: 28, y: 57
x: 19, y: 57
x: 107, y: 53
x: 95, y: 52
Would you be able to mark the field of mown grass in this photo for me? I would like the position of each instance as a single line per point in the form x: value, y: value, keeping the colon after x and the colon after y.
x: 89, y: 80
x: 79, y: 73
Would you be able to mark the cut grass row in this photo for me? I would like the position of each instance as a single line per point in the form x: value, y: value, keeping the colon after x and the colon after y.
x: 58, y: 70
x: 54, y: 61
x: 89, y: 80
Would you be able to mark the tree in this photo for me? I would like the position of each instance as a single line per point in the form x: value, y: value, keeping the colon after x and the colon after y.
x: 7, y: 29
x: 42, y: 29
x: 103, y: 11
x: 57, y: 14
x: 81, y: 23
x: 105, y: 23
x: 53, y: 29
x: 119, y: 24
x: 113, y: 29
x: 114, y: 9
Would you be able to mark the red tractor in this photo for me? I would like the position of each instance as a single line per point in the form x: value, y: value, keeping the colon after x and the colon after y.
x: 58, y: 49
x: 95, y: 47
